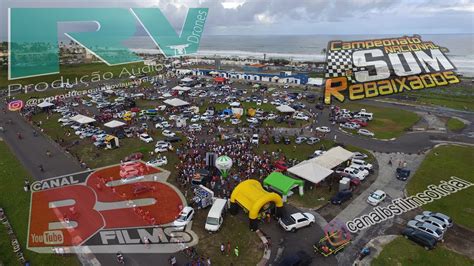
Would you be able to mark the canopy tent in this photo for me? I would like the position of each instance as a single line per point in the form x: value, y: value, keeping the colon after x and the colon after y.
x: 45, y: 104
x: 283, y: 184
x: 187, y: 80
x: 310, y: 171
x: 234, y: 104
x: 179, y: 88
x: 285, y: 109
x: 175, y: 102
x: 114, y: 124
x: 333, y: 157
x: 82, y: 119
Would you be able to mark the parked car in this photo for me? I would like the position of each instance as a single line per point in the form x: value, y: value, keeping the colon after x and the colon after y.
x: 195, y: 127
x: 443, y: 217
x: 367, y: 166
x: 359, y: 155
x: 361, y: 174
x: 402, y: 174
x: 184, y: 218
x: 431, y: 220
x: 276, y: 139
x: 235, y: 121
x: 254, y: 139
x: 301, y: 116
x: 312, y: 140
x: 365, y: 132
x: 287, y: 140
x: 146, y: 138
x: 252, y: 120
x: 163, y: 125
x: 427, y: 228
x: 160, y: 161
x: 323, y: 129
x: 376, y: 197
x: 425, y: 240
x: 173, y: 139
x: 341, y: 197
x: 168, y: 133
x: 300, y: 140
x: 296, y: 221
x: 162, y: 146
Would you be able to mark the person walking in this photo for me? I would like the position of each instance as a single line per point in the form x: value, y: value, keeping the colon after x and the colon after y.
x: 236, y: 251
x: 228, y: 248
x: 222, y: 249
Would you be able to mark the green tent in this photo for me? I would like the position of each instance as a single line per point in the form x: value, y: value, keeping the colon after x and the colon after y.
x: 283, y: 183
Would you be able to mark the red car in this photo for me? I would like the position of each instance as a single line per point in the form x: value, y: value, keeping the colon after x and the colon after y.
x: 280, y: 166
x: 134, y: 157
x: 359, y: 122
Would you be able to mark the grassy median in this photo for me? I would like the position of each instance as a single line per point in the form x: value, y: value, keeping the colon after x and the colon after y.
x: 455, y: 124
x: 405, y: 252
x: 440, y: 164
x: 16, y: 204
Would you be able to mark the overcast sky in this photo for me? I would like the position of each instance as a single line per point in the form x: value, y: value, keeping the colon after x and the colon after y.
x: 263, y: 17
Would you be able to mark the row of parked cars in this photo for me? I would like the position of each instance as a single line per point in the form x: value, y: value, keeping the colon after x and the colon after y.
x: 427, y: 228
x: 354, y: 120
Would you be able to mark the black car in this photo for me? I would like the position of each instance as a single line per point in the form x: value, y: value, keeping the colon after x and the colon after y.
x: 301, y: 258
x: 341, y: 196
x: 173, y: 139
x: 423, y: 239
x: 287, y: 140
x: 276, y: 139
x: 320, y: 106
x: 403, y: 174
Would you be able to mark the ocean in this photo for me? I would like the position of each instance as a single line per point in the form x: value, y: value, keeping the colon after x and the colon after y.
x: 309, y: 47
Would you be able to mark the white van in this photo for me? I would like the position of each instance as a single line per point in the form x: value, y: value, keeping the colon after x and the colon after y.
x: 368, y: 116
x: 215, y: 216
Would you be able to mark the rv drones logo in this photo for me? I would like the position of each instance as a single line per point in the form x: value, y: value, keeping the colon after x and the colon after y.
x: 370, y: 68
x: 128, y: 207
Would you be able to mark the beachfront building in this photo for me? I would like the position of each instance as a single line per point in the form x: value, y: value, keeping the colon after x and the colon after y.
x: 285, y: 77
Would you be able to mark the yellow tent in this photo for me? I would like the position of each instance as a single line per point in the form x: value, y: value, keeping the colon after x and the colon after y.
x: 250, y: 195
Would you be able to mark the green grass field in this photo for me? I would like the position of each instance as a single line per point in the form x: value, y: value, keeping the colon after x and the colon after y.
x: 455, y: 124
x: 401, y: 252
x: 16, y: 204
x: 440, y: 164
x: 388, y: 122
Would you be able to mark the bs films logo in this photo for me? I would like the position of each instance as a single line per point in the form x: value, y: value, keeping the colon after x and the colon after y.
x: 128, y: 207
x: 369, y: 68
x: 33, y: 42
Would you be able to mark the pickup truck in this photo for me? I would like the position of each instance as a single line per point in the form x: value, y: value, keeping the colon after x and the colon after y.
x: 296, y: 221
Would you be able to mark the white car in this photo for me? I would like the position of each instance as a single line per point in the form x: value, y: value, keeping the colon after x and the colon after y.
x: 364, y: 164
x: 318, y: 153
x: 361, y: 174
x: 296, y: 221
x: 365, y: 132
x: 162, y: 146
x: 185, y: 216
x: 195, y: 127
x: 442, y: 217
x: 431, y: 220
x: 160, y: 161
x: 252, y: 120
x: 235, y: 121
x: 348, y: 126
x: 195, y: 118
x: 271, y: 116
x: 254, y: 139
x: 301, y: 116
x: 376, y: 197
x: 323, y: 129
x: 168, y: 133
x: 162, y: 125
x: 146, y: 138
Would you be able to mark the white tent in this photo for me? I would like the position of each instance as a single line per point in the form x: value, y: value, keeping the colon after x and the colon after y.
x: 333, y: 157
x: 114, y: 124
x: 285, y: 109
x: 82, y: 119
x: 45, y: 104
x: 214, y: 73
x: 186, y: 79
x: 234, y: 104
x: 175, y: 102
x: 310, y: 171
x: 179, y: 88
